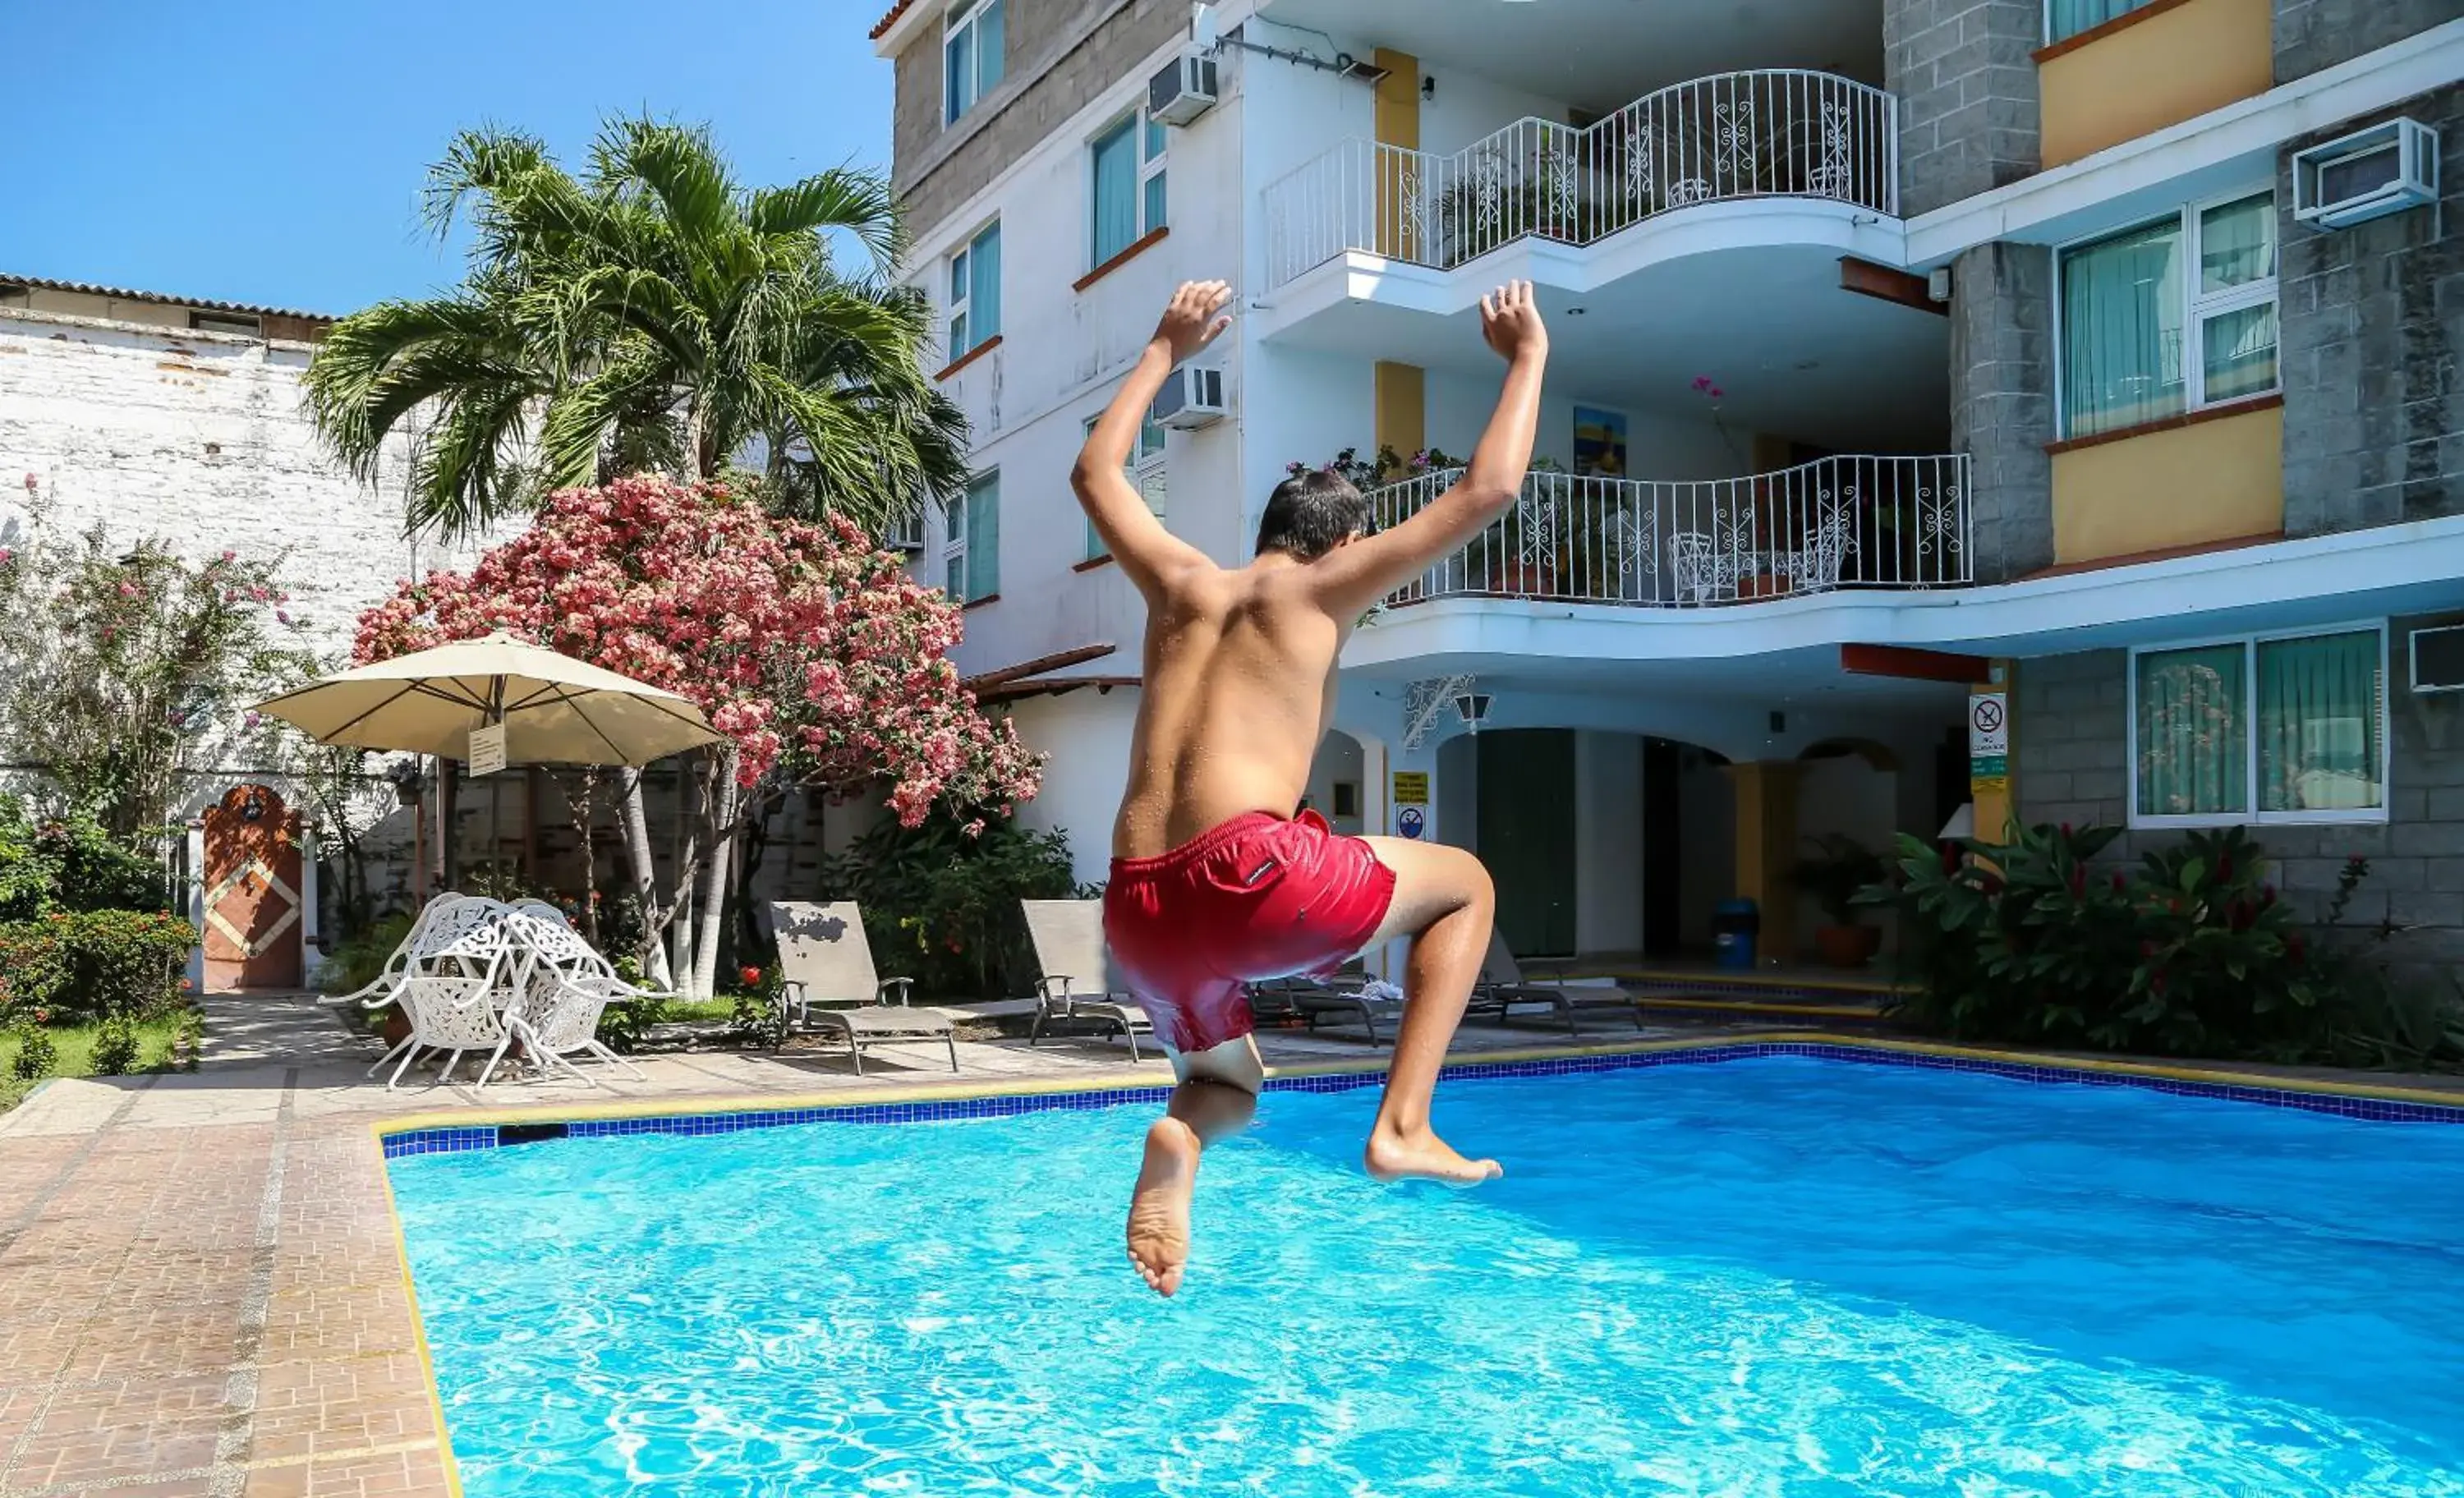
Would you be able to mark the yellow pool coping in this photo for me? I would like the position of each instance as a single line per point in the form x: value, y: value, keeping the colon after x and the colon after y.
x: 943, y: 1092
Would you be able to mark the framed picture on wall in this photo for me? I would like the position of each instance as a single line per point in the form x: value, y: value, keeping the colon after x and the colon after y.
x: 1599, y: 442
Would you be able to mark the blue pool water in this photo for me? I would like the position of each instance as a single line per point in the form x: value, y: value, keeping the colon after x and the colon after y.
x: 1770, y: 1277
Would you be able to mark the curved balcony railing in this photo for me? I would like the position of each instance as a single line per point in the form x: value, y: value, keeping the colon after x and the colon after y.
x: 1775, y: 133
x: 1837, y: 522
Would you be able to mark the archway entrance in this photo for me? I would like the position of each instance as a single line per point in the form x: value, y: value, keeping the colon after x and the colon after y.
x: 252, y: 903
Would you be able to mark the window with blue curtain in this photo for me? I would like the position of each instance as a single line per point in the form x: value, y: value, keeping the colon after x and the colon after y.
x: 1151, y: 154
x: 2287, y: 729
x: 2193, y: 746
x: 2121, y: 307
x: 982, y: 552
x: 975, y: 293
x: 1115, y: 155
x: 972, y: 47
x: 2065, y: 18
x: 2319, y: 705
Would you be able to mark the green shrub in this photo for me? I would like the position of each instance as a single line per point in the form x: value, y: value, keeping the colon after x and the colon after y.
x: 94, y: 964
x: 355, y: 964
x: 115, y: 1047
x: 69, y: 863
x: 940, y: 902
x: 36, y: 1054
x: 2191, y: 954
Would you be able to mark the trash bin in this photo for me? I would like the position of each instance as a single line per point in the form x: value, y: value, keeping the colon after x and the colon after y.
x: 1735, y: 924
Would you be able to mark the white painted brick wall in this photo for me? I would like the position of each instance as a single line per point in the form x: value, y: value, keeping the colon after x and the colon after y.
x: 199, y: 438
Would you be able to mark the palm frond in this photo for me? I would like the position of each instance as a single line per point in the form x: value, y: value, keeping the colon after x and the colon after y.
x: 856, y: 202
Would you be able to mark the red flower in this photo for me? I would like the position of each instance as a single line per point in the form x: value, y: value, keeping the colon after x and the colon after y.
x: 2296, y: 949
x: 2224, y: 866
x: 750, y: 975
x: 2079, y: 882
x: 1992, y: 885
x: 2120, y: 884
x: 1949, y: 858
x: 2266, y: 895
x: 2156, y: 983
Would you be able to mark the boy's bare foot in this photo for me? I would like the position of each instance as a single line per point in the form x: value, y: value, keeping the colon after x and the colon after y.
x: 1159, y: 1206
x: 1395, y: 1155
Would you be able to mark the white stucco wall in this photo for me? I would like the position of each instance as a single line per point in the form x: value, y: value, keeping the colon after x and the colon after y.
x: 1465, y: 106
x: 1086, y: 735
x: 1658, y: 446
x: 1608, y: 842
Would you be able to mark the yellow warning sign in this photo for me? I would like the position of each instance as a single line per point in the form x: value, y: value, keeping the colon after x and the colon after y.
x: 1410, y: 788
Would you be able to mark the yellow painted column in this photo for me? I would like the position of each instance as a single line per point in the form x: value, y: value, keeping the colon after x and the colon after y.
x: 1767, y: 839
x: 1992, y: 740
x: 1399, y: 125
x: 1402, y: 409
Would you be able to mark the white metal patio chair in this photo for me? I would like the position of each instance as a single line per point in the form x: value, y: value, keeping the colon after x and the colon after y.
x: 1078, y: 986
x: 374, y: 992
x: 463, y: 940
x: 455, y: 1014
x: 828, y: 981
x: 556, y: 1017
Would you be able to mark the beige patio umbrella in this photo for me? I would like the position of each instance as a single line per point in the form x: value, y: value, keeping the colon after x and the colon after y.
x: 555, y: 710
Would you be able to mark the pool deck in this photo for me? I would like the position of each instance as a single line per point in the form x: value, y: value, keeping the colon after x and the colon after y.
x: 200, y: 1290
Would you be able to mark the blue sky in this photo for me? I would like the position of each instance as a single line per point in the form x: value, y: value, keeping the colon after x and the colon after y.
x: 273, y: 150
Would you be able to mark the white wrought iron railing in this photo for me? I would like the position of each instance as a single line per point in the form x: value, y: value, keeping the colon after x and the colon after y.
x: 1778, y: 132
x: 1837, y: 522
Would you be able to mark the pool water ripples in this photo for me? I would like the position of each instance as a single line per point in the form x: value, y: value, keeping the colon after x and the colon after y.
x: 1774, y: 1278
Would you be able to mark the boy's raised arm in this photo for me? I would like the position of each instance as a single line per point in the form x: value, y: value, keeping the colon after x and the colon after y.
x: 1137, y: 541
x: 1355, y: 577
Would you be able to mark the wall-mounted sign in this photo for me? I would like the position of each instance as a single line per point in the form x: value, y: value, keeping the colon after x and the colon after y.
x: 1988, y: 737
x: 1410, y: 788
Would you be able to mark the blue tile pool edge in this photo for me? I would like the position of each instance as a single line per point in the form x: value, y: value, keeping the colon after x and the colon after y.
x: 412, y: 1139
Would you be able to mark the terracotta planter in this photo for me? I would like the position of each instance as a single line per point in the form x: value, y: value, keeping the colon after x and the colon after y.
x: 1847, y: 946
x: 1765, y: 585
x: 397, y: 1026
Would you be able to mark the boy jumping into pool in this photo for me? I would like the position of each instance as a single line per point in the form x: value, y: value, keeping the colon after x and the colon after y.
x: 1215, y: 881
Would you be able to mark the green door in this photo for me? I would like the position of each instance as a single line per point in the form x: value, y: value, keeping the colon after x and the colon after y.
x: 1526, y: 836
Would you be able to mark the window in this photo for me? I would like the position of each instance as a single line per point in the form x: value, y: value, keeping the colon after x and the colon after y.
x: 2289, y: 728
x: 971, y: 545
x: 1146, y: 473
x: 2065, y: 18
x: 1129, y: 195
x: 2169, y: 317
x: 971, y: 55
x: 227, y: 322
x: 975, y: 294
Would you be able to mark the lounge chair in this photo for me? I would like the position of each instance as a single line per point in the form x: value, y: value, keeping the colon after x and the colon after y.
x: 1502, y: 989
x: 1077, y: 987
x: 824, y: 959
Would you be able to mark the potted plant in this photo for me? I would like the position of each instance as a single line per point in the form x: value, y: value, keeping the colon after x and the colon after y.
x: 1833, y: 874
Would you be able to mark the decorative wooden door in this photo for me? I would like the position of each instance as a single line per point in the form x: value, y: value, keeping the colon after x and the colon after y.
x: 252, y: 915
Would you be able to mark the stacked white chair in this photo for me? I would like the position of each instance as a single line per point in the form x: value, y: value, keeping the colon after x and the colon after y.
x: 450, y: 988
x: 563, y: 986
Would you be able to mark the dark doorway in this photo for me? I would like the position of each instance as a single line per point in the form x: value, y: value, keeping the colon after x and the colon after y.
x: 1664, y: 864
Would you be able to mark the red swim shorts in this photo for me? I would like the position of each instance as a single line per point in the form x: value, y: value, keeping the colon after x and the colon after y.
x: 1257, y: 897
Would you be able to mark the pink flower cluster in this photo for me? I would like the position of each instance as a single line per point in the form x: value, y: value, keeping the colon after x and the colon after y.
x: 811, y: 650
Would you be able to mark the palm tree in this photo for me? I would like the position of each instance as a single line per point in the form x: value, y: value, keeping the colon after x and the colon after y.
x: 651, y: 314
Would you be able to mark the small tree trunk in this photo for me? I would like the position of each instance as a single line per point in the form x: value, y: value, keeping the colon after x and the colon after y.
x: 692, y: 803
x: 714, y: 881
x: 643, y: 873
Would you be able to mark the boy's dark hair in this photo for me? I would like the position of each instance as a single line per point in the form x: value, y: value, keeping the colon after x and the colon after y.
x: 1312, y: 513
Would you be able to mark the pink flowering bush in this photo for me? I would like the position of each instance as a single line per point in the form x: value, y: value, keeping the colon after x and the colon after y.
x: 816, y: 654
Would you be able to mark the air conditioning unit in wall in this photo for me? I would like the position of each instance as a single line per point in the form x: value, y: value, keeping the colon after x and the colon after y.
x: 2438, y: 659
x: 2369, y: 174
x: 1192, y: 397
x: 1183, y: 91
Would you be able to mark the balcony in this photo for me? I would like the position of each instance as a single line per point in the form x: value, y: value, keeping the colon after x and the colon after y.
x: 1780, y: 133
x: 1832, y: 524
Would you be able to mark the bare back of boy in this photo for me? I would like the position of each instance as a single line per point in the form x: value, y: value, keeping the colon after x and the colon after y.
x: 1239, y: 687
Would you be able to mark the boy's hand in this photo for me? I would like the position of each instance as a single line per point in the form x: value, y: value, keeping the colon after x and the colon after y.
x: 1510, y: 321
x: 1190, y: 320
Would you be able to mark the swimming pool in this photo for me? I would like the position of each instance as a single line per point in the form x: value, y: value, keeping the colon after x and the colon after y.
x: 1770, y: 1277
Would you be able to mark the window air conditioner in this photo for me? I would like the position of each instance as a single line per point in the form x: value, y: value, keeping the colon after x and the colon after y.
x: 2369, y: 174
x: 1183, y: 91
x: 2438, y: 659
x: 1190, y: 398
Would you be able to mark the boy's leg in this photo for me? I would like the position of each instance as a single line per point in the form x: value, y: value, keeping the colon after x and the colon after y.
x: 1445, y: 902
x: 1216, y: 1095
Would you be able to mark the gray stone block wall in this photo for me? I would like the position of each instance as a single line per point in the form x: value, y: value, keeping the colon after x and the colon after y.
x: 2372, y: 330
x: 2002, y: 403
x: 1061, y: 54
x: 1966, y: 81
x: 2311, y: 35
x: 2070, y: 737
